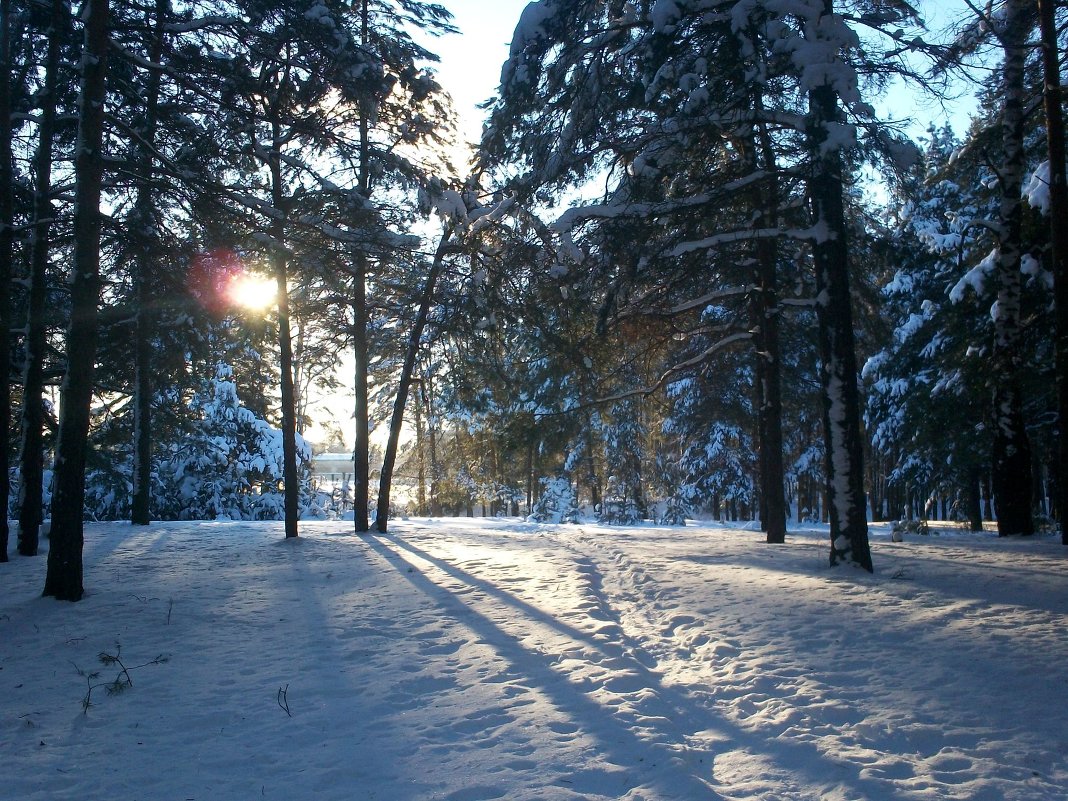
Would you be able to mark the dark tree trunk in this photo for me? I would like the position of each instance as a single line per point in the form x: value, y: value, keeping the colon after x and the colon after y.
x: 290, y: 476
x: 875, y: 487
x: 772, y: 481
x: 140, y: 502
x: 279, y: 259
x: 1011, y: 448
x: 1058, y: 195
x: 63, y: 579
x: 389, y: 459
x: 361, y: 494
x: 985, y: 491
x: 432, y: 439
x: 31, y: 446
x: 530, y: 474
x: 591, y: 465
x: 7, y: 247
x: 420, y: 436
x: 974, y: 499
x: 846, y: 504
x: 141, y: 495
x: 362, y: 449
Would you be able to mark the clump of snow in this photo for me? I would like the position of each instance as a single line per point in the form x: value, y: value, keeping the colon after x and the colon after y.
x: 976, y: 277
x: 529, y: 29
x: 1036, y: 190
x: 663, y: 15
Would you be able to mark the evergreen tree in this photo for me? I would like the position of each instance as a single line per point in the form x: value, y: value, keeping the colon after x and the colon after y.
x: 7, y: 231
x: 35, y: 349
x: 1058, y: 213
x: 64, y: 577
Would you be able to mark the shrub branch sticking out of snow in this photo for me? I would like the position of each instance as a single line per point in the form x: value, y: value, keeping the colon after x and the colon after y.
x: 122, y: 680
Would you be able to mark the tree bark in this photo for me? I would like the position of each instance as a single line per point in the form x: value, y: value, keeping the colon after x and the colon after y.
x: 140, y: 502
x: 1058, y: 195
x: 846, y: 506
x: 31, y: 446
x: 974, y: 499
x: 63, y: 579
x: 769, y: 356
x: 7, y: 243
x: 1011, y: 447
x: 432, y: 439
x: 389, y: 459
x: 420, y: 498
x: 279, y: 259
x: 361, y: 453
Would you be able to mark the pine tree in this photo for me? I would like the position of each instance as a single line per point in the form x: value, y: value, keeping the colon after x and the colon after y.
x: 64, y: 577
x: 31, y: 458
x: 1058, y: 213
x: 925, y: 389
x: 7, y: 231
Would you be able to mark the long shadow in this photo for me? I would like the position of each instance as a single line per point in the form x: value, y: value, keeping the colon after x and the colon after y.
x: 905, y: 564
x: 622, y: 742
x: 373, y: 761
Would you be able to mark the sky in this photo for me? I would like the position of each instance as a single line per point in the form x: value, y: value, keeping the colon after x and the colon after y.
x: 471, y: 61
x: 470, y: 67
x: 470, y: 70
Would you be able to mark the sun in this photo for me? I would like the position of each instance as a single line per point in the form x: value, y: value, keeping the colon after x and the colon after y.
x: 252, y: 292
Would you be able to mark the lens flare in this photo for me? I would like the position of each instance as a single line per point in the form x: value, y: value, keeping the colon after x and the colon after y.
x: 222, y: 282
x: 251, y: 292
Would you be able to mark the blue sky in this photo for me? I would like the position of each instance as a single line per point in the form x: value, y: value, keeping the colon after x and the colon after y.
x: 471, y: 61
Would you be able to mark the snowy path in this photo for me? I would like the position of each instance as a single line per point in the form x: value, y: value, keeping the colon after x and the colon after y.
x: 470, y: 660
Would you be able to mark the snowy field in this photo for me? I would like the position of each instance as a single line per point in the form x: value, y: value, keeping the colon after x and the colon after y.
x: 479, y: 659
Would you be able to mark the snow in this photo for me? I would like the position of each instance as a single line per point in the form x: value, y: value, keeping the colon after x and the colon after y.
x: 976, y: 277
x: 663, y: 15
x: 478, y: 659
x: 1036, y: 189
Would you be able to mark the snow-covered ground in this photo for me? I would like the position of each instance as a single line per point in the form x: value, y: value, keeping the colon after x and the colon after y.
x: 481, y: 659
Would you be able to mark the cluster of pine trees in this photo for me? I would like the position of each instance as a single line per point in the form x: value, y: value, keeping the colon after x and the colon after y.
x: 157, y: 151
x: 665, y: 288
x: 705, y: 306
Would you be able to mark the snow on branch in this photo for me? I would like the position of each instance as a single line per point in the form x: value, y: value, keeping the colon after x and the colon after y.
x: 728, y: 237
x: 200, y: 23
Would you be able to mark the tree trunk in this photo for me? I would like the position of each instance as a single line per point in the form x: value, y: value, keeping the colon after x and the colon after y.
x: 420, y: 453
x: 144, y: 223
x: 772, y: 480
x: 63, y: 579
x: 389, y: 459
x: 1011, y: 447
x: 31, y: 446
x: 974, y: 499
x: 1058, y: 196
x: 362, y: 449
x: 530, y: 473
x: 432, y: 440
x: 279, y: 259
x: 361, y: 493
x: 846, y: 506
x: 7, y: 247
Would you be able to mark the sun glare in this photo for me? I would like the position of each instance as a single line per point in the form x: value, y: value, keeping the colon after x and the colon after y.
x: 252, y: 292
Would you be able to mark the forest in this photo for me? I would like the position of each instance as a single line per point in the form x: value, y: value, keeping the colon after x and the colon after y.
x: 687, y: 271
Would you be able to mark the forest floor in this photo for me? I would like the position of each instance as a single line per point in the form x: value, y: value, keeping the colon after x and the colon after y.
x: 468, y: 660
